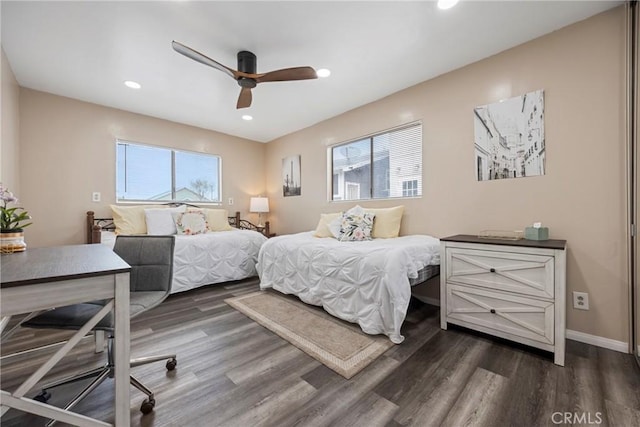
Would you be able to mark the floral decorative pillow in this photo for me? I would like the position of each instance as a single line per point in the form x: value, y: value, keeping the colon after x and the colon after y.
x: 191, y: 222
x: 355, y: 226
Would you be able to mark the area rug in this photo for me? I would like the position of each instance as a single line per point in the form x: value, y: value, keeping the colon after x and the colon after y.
x: 338, y: 345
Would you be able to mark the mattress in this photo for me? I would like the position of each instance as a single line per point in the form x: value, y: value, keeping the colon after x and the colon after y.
x: 214, y: 257
x: 367, y: 283
x: 424, y: 274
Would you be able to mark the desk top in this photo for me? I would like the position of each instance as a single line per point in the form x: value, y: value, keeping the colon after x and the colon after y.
x: 41, y: 265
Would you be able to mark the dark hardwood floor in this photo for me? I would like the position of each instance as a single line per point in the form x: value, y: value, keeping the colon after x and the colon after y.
x: 233, y: 372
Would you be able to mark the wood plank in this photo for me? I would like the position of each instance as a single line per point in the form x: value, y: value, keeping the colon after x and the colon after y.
x: 370, y: 411
x: 477, y: 409
x: 334, y: 399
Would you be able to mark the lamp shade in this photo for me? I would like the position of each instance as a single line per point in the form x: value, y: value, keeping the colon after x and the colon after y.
x: 259, y: 204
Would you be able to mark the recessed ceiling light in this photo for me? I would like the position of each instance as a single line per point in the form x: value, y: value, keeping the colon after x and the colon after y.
x: 323, y: 72
x: 447, y: 4
x: 132, y: 84
x: 247, y: 117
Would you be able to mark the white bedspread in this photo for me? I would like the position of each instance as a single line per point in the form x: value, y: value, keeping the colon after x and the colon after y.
x: 215, y: 257
x: 361, y: 282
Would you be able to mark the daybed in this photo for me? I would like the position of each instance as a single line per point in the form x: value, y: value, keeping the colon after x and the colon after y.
x: 200, y: 259
x: 365, y: 282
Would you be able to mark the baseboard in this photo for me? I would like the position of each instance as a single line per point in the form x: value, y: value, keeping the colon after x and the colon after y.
x: 608, y: 343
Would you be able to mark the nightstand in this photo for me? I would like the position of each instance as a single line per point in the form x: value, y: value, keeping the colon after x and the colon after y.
x: 513, y: 289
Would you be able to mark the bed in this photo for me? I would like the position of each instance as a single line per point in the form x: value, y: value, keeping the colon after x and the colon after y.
x: 201, y: 259
x: 367, y: 282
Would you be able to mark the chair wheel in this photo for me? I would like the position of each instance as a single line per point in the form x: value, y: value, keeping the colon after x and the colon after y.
x: 147, y: 406
x: 171, y: 364
x: 43, y: 397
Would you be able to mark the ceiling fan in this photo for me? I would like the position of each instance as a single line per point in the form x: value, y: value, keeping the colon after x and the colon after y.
x: 246, y: 75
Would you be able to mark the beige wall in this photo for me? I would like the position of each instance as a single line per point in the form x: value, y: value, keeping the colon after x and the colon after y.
x: 68, y: 152
x: 10, y: 124
x: 581, y: 197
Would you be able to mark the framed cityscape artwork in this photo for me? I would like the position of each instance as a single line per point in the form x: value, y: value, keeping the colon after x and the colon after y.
x: 509, y: 138
x: 291, y: 185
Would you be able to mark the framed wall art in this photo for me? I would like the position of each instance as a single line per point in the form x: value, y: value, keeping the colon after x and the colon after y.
x: 291, y: 185
x: 509, y: 138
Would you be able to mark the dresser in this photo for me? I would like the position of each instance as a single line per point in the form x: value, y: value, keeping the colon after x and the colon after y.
x: 513, y: 289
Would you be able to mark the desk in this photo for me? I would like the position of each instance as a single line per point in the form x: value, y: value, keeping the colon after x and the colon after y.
x: 45, y: 278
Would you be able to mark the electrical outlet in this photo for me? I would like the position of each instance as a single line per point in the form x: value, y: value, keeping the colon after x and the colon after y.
x: 581, y: 300
x: 95, y: 196
x: 230, y: 201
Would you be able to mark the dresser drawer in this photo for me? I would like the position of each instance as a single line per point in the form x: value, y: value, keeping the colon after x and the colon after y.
x: 525, y: 274
x: 511, y: 315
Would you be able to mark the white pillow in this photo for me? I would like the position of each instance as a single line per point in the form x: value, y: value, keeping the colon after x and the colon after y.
x: 160, y: 221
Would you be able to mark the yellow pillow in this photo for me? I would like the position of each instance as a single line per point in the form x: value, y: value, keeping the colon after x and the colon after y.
x: 387, y: 221
x: 129, y: 219
x: 322, y: 230
x: 218, y: 219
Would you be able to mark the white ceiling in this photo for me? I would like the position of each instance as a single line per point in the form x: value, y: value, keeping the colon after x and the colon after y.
x: 85, y: 50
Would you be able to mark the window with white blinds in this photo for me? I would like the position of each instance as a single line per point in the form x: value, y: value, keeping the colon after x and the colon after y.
x: 149, y: 173
x: 382, y: 166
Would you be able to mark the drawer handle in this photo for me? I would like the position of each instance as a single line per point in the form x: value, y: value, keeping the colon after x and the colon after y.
x: 493, y: 311
x: 493, y: 270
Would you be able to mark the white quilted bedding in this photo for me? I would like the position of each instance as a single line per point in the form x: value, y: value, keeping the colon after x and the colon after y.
x: 361, y: 282
x: 210, y: 258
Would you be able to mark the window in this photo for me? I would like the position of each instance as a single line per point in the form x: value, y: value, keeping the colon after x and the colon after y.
x: 410, y: 188
x: 147, y: 173
x: 353, y: 191
x: 382, y: 166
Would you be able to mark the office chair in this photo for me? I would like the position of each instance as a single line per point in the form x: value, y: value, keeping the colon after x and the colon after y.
x: 151, y: 261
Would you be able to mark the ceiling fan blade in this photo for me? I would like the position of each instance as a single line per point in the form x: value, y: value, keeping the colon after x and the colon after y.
x: 297, y: 73
x: 203, y: 59
x: 244, y: 100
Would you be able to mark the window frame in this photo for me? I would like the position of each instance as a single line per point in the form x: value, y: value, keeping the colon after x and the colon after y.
x: 370, y: 137
x: 173, y: 176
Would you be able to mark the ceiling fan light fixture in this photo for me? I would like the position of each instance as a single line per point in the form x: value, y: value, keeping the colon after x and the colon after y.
x: 323, y: 72
x: 131, y: 84
x: 247, y: 117
x: 446, y: 4
x: 246, y: 75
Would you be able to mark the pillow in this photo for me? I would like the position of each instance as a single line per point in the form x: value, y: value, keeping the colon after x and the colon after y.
x: 218, y: 219
x: 353, y: 225
x: 160, y: 220
x: 387, y: 222
x: 129, y: 219
x: 335, y: 226
x: 322, y: 230
x: 190, y: 222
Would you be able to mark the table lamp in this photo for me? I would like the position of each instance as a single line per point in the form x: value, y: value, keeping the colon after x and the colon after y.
x: 259, y: 205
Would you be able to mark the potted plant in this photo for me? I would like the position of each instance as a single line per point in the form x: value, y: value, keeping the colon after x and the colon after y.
x: 12, y: 223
